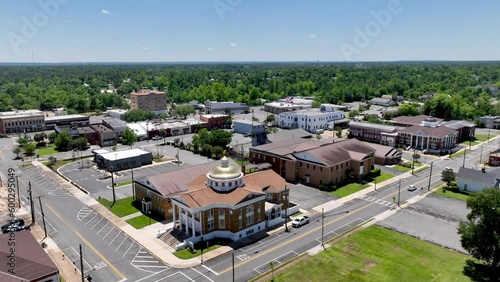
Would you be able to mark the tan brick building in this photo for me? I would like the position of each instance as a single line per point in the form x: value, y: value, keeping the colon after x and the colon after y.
x: 149, y: 100
x: 314, y: 162
x: 223, y: 203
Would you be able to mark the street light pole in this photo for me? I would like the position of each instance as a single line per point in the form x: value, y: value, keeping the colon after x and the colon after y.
x: 18, y: 195
x: 133, y: 190
x: 43, y: 216
x: 413, y: 161
x: 430, y: 176
x: 465, y: 152
x: 481, y: 155
x: 286, y: 210
x: 375, y: 183
x: 322, y: 226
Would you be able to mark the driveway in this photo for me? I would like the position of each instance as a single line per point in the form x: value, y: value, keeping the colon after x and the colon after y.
x: 434, y: 219
x: 308, y: 197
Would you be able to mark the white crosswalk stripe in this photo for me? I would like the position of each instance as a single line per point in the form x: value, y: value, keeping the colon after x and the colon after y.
x: 378, y: 201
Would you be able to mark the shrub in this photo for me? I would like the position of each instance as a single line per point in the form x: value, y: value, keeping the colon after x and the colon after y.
x: 327, y: 188
x: 376, y: 172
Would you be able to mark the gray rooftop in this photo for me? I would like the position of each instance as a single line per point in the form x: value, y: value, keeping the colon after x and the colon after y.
x: 383, y: 127
x: 478, y: 175
x: 244, y: 121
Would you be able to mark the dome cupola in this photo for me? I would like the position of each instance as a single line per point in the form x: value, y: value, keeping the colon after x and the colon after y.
x: 225, y: 177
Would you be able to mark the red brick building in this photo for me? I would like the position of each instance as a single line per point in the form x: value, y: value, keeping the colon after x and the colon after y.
x: 216, y: 121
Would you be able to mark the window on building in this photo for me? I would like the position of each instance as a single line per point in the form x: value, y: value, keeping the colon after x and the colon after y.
x: 223, y: 184
x: 240, y: 220
x: 249, y: 214
x: 211, y: 219
x: 222, y: 219
x: 308, y: 166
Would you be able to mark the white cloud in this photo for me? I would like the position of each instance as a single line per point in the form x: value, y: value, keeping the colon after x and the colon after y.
x: 105, y: 12
x: 209, y: 49
x: 312, y: 36
x: 145, y: 48
x: 233, y: 44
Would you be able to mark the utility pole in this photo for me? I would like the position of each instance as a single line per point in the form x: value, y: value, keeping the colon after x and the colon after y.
x: 399, y: 191
x: 465, y: 151
x: 322, y: 227
x: 113, y: 181
x: 481, y: 155
x: 413, y: 161
x: 43, y: 215
x: 81, y: 263
x: 18, y: 195
x: 32, y: 205
x: 375, y: 180
x: 430, y: 176
x: 286, y: 210
x: 233, y: 265
x: 133, y: 190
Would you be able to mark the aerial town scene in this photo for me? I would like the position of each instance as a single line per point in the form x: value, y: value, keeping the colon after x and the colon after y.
x: 263, y: 140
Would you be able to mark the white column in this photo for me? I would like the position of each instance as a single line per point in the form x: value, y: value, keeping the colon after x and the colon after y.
x: 192, y: 223
x: 187, y: 222
x: 173, y: 213
x: 428, y: 141
x: 180, y: 219
x: 411, y: 140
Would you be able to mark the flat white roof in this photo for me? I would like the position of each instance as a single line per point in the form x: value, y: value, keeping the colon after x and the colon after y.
x: 214, y: 115
x: 124, y: 154
x: 21, y: 113
x: 54, y: 118
x: 244, y: 121
x: 137, y: 128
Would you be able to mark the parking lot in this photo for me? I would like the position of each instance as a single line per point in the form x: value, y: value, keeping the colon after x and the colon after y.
x: 434, y: 219
x: 308, y: 197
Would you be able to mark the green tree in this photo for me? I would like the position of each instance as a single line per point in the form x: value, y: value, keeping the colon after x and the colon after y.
x: 448, y: 176
x: 270, y: 118
x: 408, y: 110
x: 204, y: 136
x: 52, y: 137
x: 17, y: 150
x: 63, y: 141
x: 353, y: 113
x: 22, y: 141
x: 416, y: 157
x: 29, y: 149
x: 80, y: 143
x: 339, y: 132
x: 220, y: 138
x: 184, y: 111
x: 177, y: 141
x: 206, y: 150
x: 129, y: 137
x: 137, y: 115
x: 217, y: 151
x: 480, y: 232
x: 39, y: 137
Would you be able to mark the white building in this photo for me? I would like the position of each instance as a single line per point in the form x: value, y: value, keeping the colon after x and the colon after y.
x: 116, y: 113
x: 333, y: 108
x: 308, y: 120
x: 475, y: 180
x: 139, y: 130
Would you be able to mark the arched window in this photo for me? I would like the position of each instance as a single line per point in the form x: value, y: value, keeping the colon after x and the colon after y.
x: 222, y: 219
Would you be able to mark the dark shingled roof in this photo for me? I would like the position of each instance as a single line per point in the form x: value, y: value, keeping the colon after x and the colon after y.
x: 338, y: 152
x: 441, y: 131
x: 32, y: 263
x: 409, y: 120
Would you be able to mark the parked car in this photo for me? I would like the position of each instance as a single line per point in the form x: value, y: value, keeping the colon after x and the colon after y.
x: 12, y: 222
x: 156, y: 137
x: 299, y: 221
x: 412, y: 188
x: 15, y: 228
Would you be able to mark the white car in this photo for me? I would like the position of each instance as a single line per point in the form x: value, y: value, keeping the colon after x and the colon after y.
x: 412, y: 188
x: 299, y: 221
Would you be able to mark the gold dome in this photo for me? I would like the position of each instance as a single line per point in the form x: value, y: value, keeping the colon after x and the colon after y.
x: 225, y: 171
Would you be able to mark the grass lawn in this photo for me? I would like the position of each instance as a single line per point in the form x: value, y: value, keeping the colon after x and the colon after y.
x: 401, y: 168
x: 378, y: 254
x: 483, y: 137
x: 185, y: 254
x: 122, y: 207
x: 49, y: 150
x: 384, y: 176
x: 60, y: 164
x: 349, y: 189
x: 238, y: 161
x: 459, y: 153
x: 124, y: 183
x: 141, y: 221
x: 466, y: 143
x: 452, y: 194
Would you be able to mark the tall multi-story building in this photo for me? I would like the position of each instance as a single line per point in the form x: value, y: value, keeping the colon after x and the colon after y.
x: 149, y: 100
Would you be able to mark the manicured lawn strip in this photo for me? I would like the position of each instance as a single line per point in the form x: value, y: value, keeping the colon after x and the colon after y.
x: 185, y: 254
x: 483, y: 137
x: 60, y: 164
x: 349, y: 189
x: 402, y: 168
x: 383, y: 177
x: 452, y: 194
x: 459, y: 153
x: 141, y: 221
x: 420, y: 169
x: 238, y: 161
x: 124, y: 183
x: 473, y: 143
x: 378, y: 254
x: 122, y: 207
x: 49, y: 150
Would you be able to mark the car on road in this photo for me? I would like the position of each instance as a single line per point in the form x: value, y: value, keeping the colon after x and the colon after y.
x: 156, y: 137
x: 299, y: 221
x: 412, y: 188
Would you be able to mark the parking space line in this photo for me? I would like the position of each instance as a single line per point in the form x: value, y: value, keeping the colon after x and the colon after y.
x: 54, y: 230
x: 91, y: 219
x: 102, y: 228
x: 209, y: 269
x: 108, y: 233
x: 133, y: 243
x: 114, y: 238
x: 202, y: 275
x: 121, y: 243
x: 96, y: 223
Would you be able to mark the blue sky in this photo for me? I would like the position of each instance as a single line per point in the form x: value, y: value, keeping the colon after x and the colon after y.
x: 248, y: 30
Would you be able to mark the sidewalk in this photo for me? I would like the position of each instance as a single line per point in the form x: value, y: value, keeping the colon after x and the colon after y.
x: 144, y: 238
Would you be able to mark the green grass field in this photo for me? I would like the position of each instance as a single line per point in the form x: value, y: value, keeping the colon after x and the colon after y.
x: 483, y: 137
x: 122, y: 207
x: 49, y: 150
x: 141, y: 221
x: 185, y: 254
x: 383, y: 177
x: 349, y: 189
x: 378, y: 254
x: 459, y: 153
x: 124, y: 183
x: 452, y: 194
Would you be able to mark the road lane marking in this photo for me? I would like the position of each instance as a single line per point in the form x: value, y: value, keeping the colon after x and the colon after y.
x: 102, y: 228
x: 209, y: 269
x: 152, y: 275
x: 202, y: 275
x: 88, y: 243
